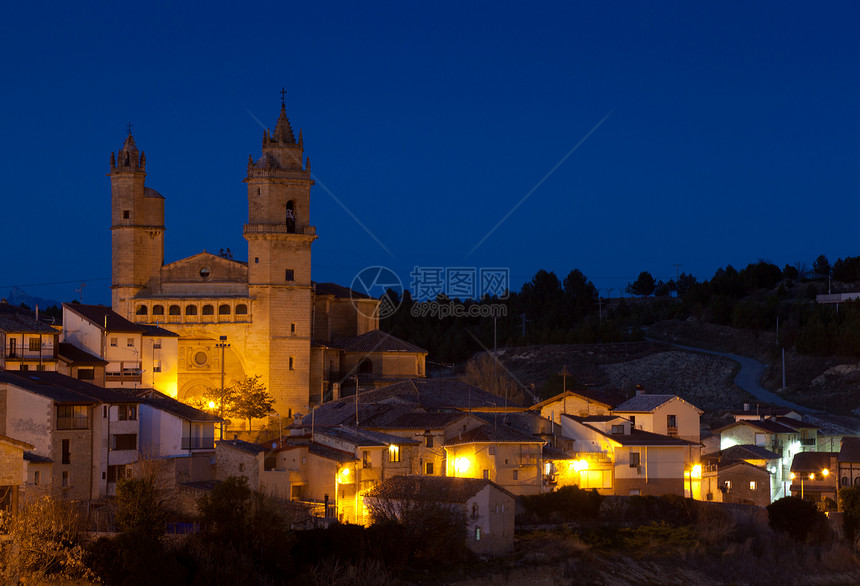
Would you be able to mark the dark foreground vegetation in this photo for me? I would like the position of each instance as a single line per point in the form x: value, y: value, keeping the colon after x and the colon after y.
x: 571, y: 535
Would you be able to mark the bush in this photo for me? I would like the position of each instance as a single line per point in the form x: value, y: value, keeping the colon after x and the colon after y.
x: 797, y: 518
x: 569, y: 503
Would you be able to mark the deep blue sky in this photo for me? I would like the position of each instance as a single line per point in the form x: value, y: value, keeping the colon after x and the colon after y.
x: 734, y: 132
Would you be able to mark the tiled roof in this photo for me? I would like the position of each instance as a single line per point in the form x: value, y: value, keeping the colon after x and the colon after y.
x: 22, y: 321
x: 362, y: 437
x: 764, y: 411
x: 74, y: 355
x: 104, y: 317
x: 643, y: 403
x: 37, y: 459
x: 422, y: 420
x: 157, y: 332
x: 381, y: 406
x: 63, y: 389
x: 812, y: 461
x: 16, y: 443
x: 443, y: 489
x: 850, y: 450
x: 794, y: 423
x: 638, y: 437
x: 162, y: 402
x: 489, y: 434
x: 764, y: 425
x: 744, y: 452
x: 551, y: 453
x: 331, y: 453
x: 376, y: 341
x: 243, y: 446
x: 608, y: 398
x: 338, y: 291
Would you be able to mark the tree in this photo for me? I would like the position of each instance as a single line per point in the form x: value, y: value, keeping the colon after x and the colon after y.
x: 487, y: 373
x: 821, y: 267
x: 800, y: 519
x: 46, y: 544
x: 642, y: 286
x: 250, y: 399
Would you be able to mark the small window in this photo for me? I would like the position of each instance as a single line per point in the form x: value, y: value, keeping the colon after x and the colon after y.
x: 292, y: 328
x: 124, y: 441
x: 844, y: 481
x: 156, y: 344
x: 127, y: 412
x: 224, y: 309
x: 857, y: 481
x: 752, y: 484
x: 130, y: 342
x: 289, y: 275
x: 141, y: 310
x: 156, y: 366
x: 25, y: 367
x: 67, y: 452
x: 86, y: 374
x: 728, y: 484
x: 208, y: 310
x: 175, y: 310
x: 516, y: 474
x: 617, y: 429
x: 65, y: 480
x: 477, y: 534
x: 634, y: 459
x: 37, y: 477
x: 393, y: 453
x: 105, y: 412
x: 35, y: 344
x: 114, y: 342
x: 474, y: 510
x: 428, y: 440
x: 291, y: 363
x: 671, y: 421
x: 486, y: 474
x: 241, y: 309
x: 205, y: 272
x: 428, y: 468
x: 256, y: 260
x: 157, y: 310
x: 241, y: 467
x: 126, y: 214
x: 191, y: 310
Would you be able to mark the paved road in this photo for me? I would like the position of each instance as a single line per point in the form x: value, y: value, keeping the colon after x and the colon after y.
x: 748, y: 377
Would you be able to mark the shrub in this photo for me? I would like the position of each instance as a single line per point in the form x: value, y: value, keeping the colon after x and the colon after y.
x: 569, y: 503
x: 796, y: 517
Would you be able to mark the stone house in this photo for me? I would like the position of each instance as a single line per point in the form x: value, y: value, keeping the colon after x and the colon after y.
x: 848, y: 462
x: 12, y: 473
x: 750, y: 487
x: 28, y: 344
x: 487, y: 507
x: 814, y: 476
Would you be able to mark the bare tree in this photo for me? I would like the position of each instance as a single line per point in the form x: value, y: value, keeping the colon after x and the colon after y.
x: 486, y: 372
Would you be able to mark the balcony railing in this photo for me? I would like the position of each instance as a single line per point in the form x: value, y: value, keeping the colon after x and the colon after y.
x: 198, y: 443
x: 672, y: 431
x: 279, y: 229
x: 73, y: 423
x: 807, y: 441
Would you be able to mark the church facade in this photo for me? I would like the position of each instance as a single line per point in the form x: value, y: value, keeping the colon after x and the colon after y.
x: 264, y: 316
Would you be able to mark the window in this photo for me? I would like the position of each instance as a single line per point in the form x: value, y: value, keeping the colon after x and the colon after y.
x: 393, y: 453
x: 485, y: 474
x: 256, y: 260
x: 37, y: 477
x: 292, y: 328
x: 617, y: 429
x: 224, y: 310
x: 123, y: 441
x: 141, y: 310
x: 40, y: 367
x: 289, y: 275
x: 114, y: 342
x: 156, y: 344
x: 728, y: 484
x: 126, y: 214
x: 477, y: 534
x: 130, y: 342
x: 35, y: 344
x: 516, y: 474
x: 127, y: 412
x: 632, y: 421
x: 857, y: 481
x: 291, y: 362
x: 67, y: 452
x: 634, y: 460
x: 86, y: 374
x: 13, y: 343
x: 157, y: 310
x: 65, y: 478
x: 175, y: 310
x: 752, y: 485
x: 200, y: 358
x: 72, y: 417
x: 241, y: 309
x: 474, y: 510
x: 117, y: 473
x: 844, y: 481
x: 241, y: 467
x: 671, y: 421
x: 365, y: 459
x: 25, y: 367
x: 191, y: 310
x: 759, y: 439
x: 428, y: 468
x: 105, y: 412
x: 156, y: 366
x: 205, y: 272
x: 208, y: 310
x: 428, y: 440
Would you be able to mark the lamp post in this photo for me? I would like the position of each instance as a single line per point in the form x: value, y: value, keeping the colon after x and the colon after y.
x: 824, y: 473
x: 222, y: 343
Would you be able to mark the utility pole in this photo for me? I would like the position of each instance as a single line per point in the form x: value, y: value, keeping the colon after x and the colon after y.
x: 222, y: 343
x: 564, y: 374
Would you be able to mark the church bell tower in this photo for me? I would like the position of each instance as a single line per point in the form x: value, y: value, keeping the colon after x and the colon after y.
x: 279, y: 238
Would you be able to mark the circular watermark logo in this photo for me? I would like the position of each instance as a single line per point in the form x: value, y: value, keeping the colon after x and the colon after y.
x: 379, y: 283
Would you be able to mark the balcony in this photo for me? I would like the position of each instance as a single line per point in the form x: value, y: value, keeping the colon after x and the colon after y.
x: 807, y: 441
x: 198, y: 443
x: 672, y: 431
x: 279, y: 229
x: 73, y: 423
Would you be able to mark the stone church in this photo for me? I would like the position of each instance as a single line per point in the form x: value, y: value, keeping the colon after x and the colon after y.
x: 264, y: 316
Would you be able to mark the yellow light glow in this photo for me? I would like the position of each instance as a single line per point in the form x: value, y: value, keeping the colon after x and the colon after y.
x: 344, y: 472
x: 812, y: 475
x: 825, y: 472
x: 211, y: 404
x: 792, y: 475
x: 579, y: 465
x: 697, y: 471
x: 462, y: 465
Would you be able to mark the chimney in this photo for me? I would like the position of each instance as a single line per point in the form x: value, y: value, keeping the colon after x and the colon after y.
x: 640, y: 390
x: 746, y: 406
x: 335, y: 391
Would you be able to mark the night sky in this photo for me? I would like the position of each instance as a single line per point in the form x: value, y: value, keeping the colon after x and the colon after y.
x: 715, y: 135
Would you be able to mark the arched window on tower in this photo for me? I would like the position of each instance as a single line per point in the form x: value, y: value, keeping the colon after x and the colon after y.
x: 208, y: 310
x: 141, y: 310
x: 175, y: 310
x: 224, y: 310
x: 291, y: 217
x: 241, y: 309
x: 157, y: 310
x: 191, y: 310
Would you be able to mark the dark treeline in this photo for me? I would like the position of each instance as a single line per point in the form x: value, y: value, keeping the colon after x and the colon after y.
x: 549, y: 310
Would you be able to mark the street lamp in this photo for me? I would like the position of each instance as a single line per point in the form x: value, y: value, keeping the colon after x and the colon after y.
x: 222, y: 343
x: 824, y: 473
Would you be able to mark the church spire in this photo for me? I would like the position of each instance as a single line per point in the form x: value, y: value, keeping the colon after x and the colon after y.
x: 128, y: 157
x: 283, y: 130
